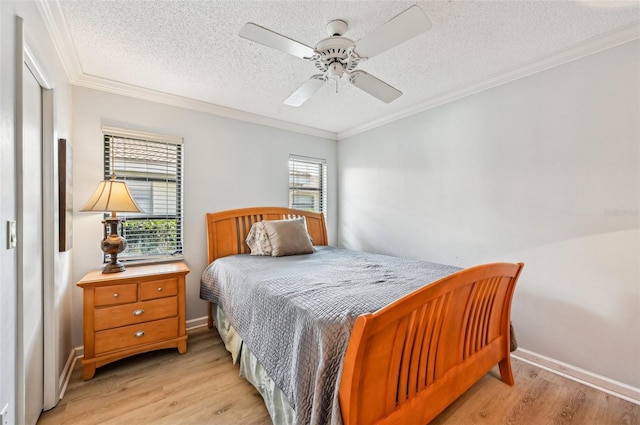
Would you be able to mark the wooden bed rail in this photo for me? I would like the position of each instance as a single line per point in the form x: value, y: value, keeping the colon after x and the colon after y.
x: 408, y: 361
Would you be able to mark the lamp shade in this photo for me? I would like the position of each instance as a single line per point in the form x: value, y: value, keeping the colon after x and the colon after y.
x: 111, y: 196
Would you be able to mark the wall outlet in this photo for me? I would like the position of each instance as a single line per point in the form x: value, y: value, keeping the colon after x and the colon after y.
x: 4, y: 415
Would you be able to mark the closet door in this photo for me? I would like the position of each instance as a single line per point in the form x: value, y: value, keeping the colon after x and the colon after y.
x: 30, y: 249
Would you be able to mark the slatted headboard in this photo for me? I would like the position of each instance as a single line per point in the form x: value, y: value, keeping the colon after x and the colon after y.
x: 227, y: 230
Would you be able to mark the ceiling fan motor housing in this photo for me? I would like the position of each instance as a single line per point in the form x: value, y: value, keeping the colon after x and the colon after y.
x: 334, y: 50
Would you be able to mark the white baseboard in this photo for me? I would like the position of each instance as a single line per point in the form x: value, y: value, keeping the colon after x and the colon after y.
x: 79, y: 351
x: 593, y: 380
x: 65, y: 376
x: 197, y: 322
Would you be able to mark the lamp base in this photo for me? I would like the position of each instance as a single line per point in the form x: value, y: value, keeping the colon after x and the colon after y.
x: 112, y: 245
x: 114, y: 268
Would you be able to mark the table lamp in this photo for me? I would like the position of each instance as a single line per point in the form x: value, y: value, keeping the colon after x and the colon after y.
x: 112, y: 196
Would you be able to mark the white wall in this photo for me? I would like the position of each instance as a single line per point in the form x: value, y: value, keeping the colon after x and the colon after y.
x: 228, y: 164
x: 544, y: 170
x: 44, y: 52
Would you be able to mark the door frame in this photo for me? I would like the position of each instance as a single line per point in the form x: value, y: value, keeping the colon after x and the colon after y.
x: 25, y: 55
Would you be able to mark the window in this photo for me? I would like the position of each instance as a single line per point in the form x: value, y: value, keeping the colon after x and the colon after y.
x: 152, y: 167
x: 308, y: 184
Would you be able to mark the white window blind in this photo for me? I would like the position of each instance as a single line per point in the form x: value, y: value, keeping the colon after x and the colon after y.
x: 152, y: 167
x: 308, y: 184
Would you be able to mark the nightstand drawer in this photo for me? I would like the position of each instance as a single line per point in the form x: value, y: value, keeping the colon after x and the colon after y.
x: 135, y: 335
x: 116, y: 294
x: 146, y: 311
x: 158, y: 289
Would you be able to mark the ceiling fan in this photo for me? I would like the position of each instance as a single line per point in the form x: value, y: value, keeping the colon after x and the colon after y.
x: 337, y: 56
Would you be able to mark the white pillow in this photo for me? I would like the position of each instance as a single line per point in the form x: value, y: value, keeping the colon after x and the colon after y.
x: 258, y: 240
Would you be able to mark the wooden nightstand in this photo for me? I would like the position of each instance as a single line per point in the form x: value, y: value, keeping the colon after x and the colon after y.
x: 131, y: 312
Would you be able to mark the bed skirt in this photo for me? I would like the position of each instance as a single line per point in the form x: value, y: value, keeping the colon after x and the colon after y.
x: 276, y: 402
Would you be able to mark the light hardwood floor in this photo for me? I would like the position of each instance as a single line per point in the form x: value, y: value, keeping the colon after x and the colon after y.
x: 203, y: 387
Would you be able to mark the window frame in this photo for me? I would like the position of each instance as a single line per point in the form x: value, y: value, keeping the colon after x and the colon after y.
x: 321, y: 187
x: 175, y: 210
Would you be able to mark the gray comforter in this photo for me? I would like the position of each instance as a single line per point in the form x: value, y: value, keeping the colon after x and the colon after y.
x: 296, y: 313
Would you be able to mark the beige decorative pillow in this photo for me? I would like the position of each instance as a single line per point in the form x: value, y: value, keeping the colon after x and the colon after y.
x: 288, y: 237
x: 258, y: 240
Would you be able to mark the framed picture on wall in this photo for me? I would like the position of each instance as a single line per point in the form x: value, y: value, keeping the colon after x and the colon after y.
x: 65, y: 199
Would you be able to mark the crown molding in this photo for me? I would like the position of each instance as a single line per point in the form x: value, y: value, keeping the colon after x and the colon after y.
x: 597, y: 44
x: 103, y: 84
x: 57, y: 27
x: 63, y: 43
x: 53, y: 18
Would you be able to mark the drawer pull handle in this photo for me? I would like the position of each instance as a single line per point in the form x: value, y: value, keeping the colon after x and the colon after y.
x: 139, y: 334
x: 116, y: 295
x: 160, y: 289
x: 138, y: 312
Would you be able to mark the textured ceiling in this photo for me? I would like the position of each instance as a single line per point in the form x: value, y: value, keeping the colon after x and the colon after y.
x: 192, y: 49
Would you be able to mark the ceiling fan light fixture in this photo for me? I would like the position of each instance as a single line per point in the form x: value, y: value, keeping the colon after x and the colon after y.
x: 335, y: 71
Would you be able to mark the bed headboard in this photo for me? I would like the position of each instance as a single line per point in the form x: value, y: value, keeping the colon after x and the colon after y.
x: 227, y: 230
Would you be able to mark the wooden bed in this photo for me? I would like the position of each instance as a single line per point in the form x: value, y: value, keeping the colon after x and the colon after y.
x: 406, y: 362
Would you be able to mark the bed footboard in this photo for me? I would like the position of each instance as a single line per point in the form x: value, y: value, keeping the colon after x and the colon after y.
x: 408, y: 361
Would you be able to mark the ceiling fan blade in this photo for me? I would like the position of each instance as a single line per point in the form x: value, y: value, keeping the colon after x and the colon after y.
x: 305, y: 91
x: 269, y: 38
x: 375, y: 87
x: 403, y: 27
